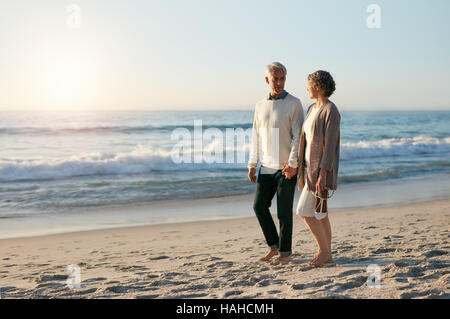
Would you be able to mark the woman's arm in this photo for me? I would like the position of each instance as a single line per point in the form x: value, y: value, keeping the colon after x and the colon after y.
x: 331, y: 139
x: 332, y: 127
x: 321, y: 181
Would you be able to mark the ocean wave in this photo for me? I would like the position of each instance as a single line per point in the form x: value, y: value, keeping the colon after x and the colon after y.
x: 111, y: 129
x: 396, y: 172
x: 421, y: 144
x: 146, y: 159
x: 140, y: 160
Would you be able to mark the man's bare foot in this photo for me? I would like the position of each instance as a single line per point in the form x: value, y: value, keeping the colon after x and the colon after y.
x: 321, y: 259
x: 282, y: 260
x: 269, y: 255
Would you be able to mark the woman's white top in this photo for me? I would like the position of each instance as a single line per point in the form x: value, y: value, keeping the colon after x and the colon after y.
x: 307, y: 127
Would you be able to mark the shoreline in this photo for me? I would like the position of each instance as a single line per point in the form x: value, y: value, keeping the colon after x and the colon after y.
x: 347, y: 197
x: 194, y: 223
x: 218, y: 259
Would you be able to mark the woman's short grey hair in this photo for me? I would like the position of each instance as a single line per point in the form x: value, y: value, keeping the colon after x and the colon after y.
x: 275, y: 65
x: 324, y: 80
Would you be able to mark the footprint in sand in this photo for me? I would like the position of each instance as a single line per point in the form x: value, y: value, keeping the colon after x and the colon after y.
x: 189, y: 287
x: 321, y: 283
x: 254, y: 296
x: 199, y: 295
x: 265, y: 283
x: 440, y: 264
x: 211, y: 258
x: 146, y: 296
x: 382, y: 250
x: 85, y: 291
x: 50, y: 285
x: 95, y: 279
x: 434, y: 253
x: 298, y: 286
x: 232, y: 293
x: 350, y: 283
x: 132, y: 268
x: 350, y: 272
x: 402, y: 280
x: 221, y: 264
x: 158, y: 257
x: 429, y: 293
x: 163, y: 283
x: 8, y: 289
x: 171, y: 275
x: 414, y: 272
x: 44, y: 278
x: 118, y: 289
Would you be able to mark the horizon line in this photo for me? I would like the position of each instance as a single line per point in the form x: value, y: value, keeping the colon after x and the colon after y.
x: 208, y: 110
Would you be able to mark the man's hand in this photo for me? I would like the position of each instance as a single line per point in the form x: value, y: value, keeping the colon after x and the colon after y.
x: 321, y: 181
x: 288, y: 171
x: 251, y: 174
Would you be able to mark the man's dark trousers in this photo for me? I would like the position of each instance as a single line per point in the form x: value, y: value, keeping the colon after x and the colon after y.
x: 267, y: 185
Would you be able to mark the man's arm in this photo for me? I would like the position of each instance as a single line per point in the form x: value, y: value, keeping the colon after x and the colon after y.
x: 254, y: 149
x: 255, y: 144
x: 296, y: 127
x: 290, y: 169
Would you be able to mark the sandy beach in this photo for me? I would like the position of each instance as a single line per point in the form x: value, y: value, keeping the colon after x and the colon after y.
x: 218, y: 259
x: 129, y: 132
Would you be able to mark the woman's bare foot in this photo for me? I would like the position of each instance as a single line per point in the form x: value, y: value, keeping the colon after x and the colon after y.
x: 322, y: 258
x: 269, y: 255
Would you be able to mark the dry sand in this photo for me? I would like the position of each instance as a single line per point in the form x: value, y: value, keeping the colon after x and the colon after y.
x: 218, y: 259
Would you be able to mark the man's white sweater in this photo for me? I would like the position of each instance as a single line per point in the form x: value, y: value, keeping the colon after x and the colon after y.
x: 276, y: 131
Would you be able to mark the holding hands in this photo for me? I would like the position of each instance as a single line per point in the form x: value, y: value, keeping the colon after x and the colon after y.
x: 289, y: 172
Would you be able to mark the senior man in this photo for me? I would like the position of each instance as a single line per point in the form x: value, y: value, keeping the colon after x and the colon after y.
x: 276, y: 130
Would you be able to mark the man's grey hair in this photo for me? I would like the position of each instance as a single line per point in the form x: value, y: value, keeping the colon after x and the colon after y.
x: 275, y: 65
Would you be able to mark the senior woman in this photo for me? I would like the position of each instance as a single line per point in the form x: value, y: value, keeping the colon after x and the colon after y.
x: 318, y: 162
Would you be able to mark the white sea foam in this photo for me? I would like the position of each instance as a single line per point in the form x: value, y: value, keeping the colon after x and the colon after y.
x: 145, y: 159
x: 421, y: 144
x: 140, y: 160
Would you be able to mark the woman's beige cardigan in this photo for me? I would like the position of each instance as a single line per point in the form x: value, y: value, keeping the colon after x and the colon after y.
x: 324, y: 147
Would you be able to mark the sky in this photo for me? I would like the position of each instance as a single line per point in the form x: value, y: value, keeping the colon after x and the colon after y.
x: 211, y: 55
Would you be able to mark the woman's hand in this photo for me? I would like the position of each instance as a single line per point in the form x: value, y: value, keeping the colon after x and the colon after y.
x: 321, y: 181
x: 289, y: 172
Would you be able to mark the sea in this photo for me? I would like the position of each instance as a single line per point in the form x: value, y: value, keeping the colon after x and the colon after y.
x: 52, y: 162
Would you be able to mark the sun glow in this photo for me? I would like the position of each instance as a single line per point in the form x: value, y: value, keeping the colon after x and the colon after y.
x: 66, y: 80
